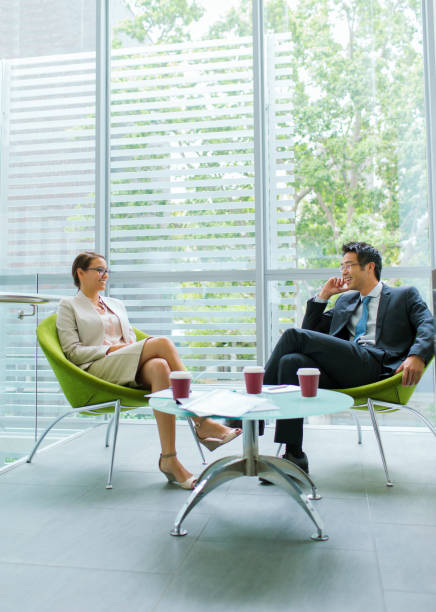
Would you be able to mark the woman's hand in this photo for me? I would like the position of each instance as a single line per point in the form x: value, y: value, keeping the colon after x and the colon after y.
x: 115, y: 347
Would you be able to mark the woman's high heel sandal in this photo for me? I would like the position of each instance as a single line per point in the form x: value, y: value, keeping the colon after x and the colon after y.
x: 213, y: 443
x: 189, y: 483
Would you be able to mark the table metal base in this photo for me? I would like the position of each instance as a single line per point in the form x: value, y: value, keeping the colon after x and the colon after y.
x: 282, y: 472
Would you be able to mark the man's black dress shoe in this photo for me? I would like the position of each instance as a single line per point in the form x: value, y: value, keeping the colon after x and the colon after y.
x: 302, y: 463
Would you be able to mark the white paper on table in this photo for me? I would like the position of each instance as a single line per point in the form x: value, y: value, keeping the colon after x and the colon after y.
x: 222, y: 402
x: 163, y: 394
x: 281, y: 389
x: 168, y: 394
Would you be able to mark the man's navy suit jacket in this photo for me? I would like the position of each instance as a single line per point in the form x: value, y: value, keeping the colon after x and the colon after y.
x: 404, y: 324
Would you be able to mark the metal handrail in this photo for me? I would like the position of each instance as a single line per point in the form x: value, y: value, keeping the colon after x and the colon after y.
x: 34, y: 299
x: 28, y: 298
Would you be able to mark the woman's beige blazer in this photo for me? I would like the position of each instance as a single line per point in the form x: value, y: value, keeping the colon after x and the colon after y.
x: 81, y: 331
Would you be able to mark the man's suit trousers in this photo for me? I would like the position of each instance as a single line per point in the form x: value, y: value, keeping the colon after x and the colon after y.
x: 342, y: 364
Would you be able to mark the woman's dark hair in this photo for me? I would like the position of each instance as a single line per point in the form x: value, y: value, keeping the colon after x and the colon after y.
x: 82, y: 261
x: 365, y: 254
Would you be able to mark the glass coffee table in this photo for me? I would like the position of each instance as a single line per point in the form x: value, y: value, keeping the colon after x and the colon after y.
x: 280, y: 471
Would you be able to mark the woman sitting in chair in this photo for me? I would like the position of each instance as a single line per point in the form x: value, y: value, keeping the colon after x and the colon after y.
x: 96, y: 335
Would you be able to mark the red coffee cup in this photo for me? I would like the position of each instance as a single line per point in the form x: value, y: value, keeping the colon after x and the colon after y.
x: 254, y: 379
x: 180, y: 383
x: 309, y: 380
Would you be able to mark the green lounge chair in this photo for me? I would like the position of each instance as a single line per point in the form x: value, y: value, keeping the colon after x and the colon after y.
x: 86, y: 393
x: 386, y: 395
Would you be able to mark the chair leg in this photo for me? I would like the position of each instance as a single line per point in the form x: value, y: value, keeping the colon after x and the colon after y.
x: 116, y: 419
x: 421, y: 416
x: 359, y: 428
x: 194, y: 433
x: 35, y: 448
x: 108, y: 430
x: 279, y: 449
x: 379, y: 441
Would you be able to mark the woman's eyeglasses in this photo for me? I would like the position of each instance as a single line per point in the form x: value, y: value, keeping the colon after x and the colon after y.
x: 101, y: 271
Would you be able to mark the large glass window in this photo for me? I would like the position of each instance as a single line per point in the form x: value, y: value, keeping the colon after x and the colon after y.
x: 48, y: 134
x: 47, y: 187
x: 182, y: 157
x: 233, y: 181
x: 346, y: 79
x: 182, y: 219
x: 353, y: 99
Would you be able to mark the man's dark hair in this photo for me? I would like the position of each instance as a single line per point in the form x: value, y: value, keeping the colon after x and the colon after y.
x: 365, y: 254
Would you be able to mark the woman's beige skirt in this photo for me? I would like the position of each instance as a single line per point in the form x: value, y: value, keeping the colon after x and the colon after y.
x: 121, y: 366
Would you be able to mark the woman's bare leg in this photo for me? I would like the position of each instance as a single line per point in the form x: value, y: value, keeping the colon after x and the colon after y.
x: 155, y: 373
x: 163, y: 348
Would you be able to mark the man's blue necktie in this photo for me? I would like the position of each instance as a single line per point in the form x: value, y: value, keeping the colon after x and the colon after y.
x: 361, y: 324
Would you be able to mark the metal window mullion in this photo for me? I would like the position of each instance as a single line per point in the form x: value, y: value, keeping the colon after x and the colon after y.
x: 260, y: 190
x: 4, y: 153
x: 102, y: 130
x: 428, y: 26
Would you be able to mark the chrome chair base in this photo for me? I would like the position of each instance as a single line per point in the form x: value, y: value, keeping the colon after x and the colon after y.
x: 370, y: 404
x: 194, y: 433
x: 317, y: 538
x: 283, y: 473
x: 115, y: 420
x: 387, y: 407
x: 382, y: 407
x: 178, y: 531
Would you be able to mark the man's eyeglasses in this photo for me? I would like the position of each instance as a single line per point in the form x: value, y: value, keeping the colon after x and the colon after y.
x: 347, y: 266
x: 101, y: 271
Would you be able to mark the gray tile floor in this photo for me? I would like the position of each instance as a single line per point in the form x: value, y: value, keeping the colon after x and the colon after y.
x: 68, y: 544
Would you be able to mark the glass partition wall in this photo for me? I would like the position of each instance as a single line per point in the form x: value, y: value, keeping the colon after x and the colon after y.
x: 219, y: 154
x: 47, y: 192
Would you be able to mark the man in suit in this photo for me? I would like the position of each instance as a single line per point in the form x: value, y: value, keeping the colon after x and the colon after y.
x: 372, y: 332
